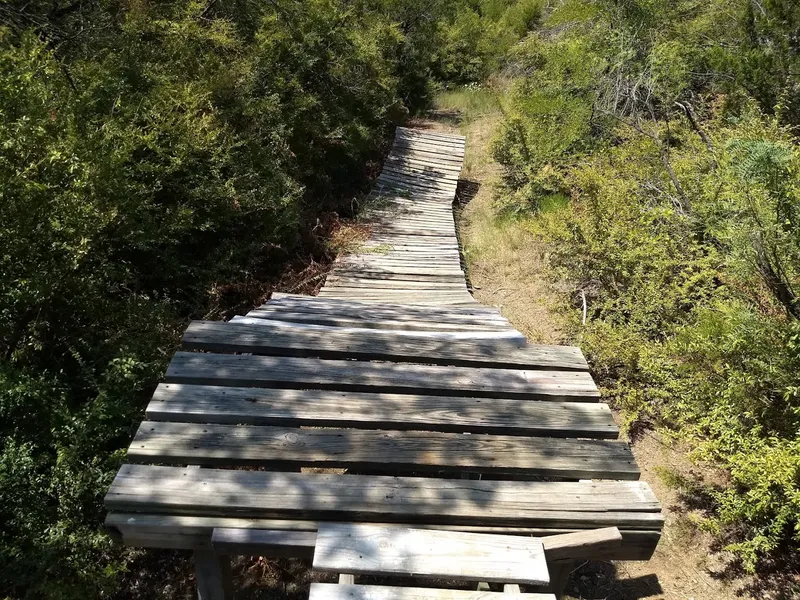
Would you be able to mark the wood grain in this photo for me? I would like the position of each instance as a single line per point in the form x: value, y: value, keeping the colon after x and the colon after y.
x: 377, y: 345
x: 232, y: 445
x: 357, y: 376
x: 379, y: 549
x: 333, y: 591
x: 323, y: 408
x: 319, y: 496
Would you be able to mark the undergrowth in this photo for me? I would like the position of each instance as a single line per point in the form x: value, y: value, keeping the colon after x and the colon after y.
x: 665, y: 196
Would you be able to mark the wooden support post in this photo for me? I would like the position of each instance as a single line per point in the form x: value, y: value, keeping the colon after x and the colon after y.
x: 559, y: 574
x: 511, y: 588
x: 347, y: 579
x: 213, y: 575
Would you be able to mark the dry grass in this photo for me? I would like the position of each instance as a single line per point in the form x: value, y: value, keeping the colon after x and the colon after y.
x: 504, y: 261
x: 506, y: 265
x: 347, y: 237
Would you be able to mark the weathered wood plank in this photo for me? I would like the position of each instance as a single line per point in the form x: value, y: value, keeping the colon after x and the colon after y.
x: 439, y: 248
x: 440, y: 242
x: 394, y: 287
x: 424, y: 133
x: 322, y: 408
x: 378, y: 549
x: 424, y: 296
x: 400, y: 226
x: 434, y: 300
x: 346, y: 321
x: 343, y: 273
x: 437, y: 142
x: 145, y: 488
x: 364, y: 260
x: 438, y: 159
x: 344, y: 375
x: 410, y: 190
x: 360, y: 449
x: 402, y: 147
x: 376, y: 345
x: 584, y: 544
x: 333, y: 591
x: 212, y: 575
x: 428, y: 134
x: 424, y: 174
x: 457, y: 145
x: 181, y: 531
x: 369, y: 265
x: 511, y: 337
x: 320, y: 304
x: 381, y: 259
x: 449, y: 170
x: 412, y: 182
x: 391, y: 284
x: 365, y: 311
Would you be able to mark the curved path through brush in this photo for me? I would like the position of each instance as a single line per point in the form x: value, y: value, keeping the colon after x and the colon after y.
x: 438, y: 411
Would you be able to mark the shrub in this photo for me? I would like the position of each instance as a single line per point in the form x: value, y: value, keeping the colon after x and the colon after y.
x: 681, y: 235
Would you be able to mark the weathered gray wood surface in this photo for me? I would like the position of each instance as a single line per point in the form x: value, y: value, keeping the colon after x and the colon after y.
x: 212, y: 575
x: 215, y: 336
x: 378, y: 549
x: 333, y: 591
x: 145, y: 488
x: 362, y: 376
x: 584, y: 544
x: 333, y: 320
x: 391, y: 310
x: 499, y: 338
x: 263, y: 542
x: 323, y: 408
x: 413, y: 228
x: 232, y: 445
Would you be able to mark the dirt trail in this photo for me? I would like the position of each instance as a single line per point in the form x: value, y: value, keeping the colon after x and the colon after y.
x: 505, y: 266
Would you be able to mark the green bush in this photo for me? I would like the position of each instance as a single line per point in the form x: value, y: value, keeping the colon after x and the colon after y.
x: 150, y: 153
x: 681, y: 234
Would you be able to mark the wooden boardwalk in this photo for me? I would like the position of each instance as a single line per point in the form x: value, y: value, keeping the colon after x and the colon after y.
x: 439, y: 412
x: 412, y: 255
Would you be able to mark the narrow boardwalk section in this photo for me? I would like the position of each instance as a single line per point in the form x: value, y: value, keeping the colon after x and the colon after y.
x: 412, y: 255
x: 392, y: 397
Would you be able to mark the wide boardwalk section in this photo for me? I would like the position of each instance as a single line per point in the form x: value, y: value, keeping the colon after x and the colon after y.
x: 392, y: 397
